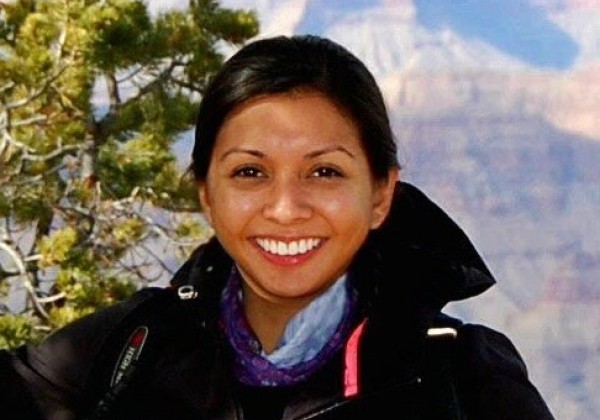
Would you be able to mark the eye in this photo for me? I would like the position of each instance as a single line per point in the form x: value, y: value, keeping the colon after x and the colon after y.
x: 327, y: 172
x: 248, y: 172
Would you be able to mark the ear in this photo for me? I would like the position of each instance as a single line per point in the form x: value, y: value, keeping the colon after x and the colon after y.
x: 205, y: 201
x: 382, y: 198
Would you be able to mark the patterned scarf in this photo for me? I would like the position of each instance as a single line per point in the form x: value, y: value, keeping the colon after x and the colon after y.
x: 311, y: 337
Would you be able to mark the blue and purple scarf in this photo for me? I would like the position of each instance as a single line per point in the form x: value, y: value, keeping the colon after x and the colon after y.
x: 310, y: 339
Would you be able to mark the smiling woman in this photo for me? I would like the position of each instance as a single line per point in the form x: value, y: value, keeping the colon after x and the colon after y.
x: 320, y: 295
x: 288, y: 174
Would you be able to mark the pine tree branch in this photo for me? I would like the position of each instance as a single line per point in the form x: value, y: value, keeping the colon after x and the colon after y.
x: 15, y: 257
x: 7, y: 86
x: 46, y: 83
x: 29, y: 121
x: 59, y: 152
x: 158, y: 79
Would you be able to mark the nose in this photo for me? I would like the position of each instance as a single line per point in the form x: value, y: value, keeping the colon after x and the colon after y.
x: 287, y: 202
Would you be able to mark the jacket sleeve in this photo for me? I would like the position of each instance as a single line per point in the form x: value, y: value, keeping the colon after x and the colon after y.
x: 49, y: 381
x: 493, y: 378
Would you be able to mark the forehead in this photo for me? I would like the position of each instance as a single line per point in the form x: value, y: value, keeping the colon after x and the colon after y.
x: 288, y: 121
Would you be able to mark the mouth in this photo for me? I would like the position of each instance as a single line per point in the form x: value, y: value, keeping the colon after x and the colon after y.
x: 281, y: 248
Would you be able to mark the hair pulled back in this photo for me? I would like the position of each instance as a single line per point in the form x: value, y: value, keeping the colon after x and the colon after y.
x: 293, y: 64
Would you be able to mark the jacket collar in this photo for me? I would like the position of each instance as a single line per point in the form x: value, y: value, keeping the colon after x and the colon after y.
x: 421, y: 244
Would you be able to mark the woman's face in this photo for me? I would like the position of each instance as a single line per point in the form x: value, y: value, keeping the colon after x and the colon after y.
x: 290, y: 195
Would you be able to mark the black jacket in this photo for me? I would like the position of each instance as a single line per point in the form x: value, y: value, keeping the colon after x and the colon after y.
x: 175, y: 366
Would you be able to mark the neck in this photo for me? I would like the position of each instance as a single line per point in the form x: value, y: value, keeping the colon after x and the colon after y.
x: 269, y: 319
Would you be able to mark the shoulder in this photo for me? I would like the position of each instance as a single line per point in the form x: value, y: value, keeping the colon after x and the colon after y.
x: 94, y: 327
x: 492, y: 376
x: 491, y: 350
x: 66, y: 356
x: 56, y: 372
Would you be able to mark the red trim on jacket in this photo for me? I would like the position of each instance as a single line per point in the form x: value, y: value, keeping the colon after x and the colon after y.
x: 351, y: 383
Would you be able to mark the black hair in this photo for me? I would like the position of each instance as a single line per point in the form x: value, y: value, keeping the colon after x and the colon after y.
x: 293, y: 64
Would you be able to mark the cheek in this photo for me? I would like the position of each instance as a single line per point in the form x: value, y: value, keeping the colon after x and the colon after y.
x: 231, y: 210
x: 337, y: 205
x: 353, y: 207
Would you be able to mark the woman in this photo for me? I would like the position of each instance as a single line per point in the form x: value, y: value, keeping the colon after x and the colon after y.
x: 320, y: 295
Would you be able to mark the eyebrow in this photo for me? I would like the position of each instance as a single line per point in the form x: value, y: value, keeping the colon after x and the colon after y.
x: 252, y: 152
x: 311, y: 155
x: 327, y: 150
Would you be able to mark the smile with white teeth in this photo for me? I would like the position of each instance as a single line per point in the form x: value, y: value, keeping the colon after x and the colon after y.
x: 298, y: 247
